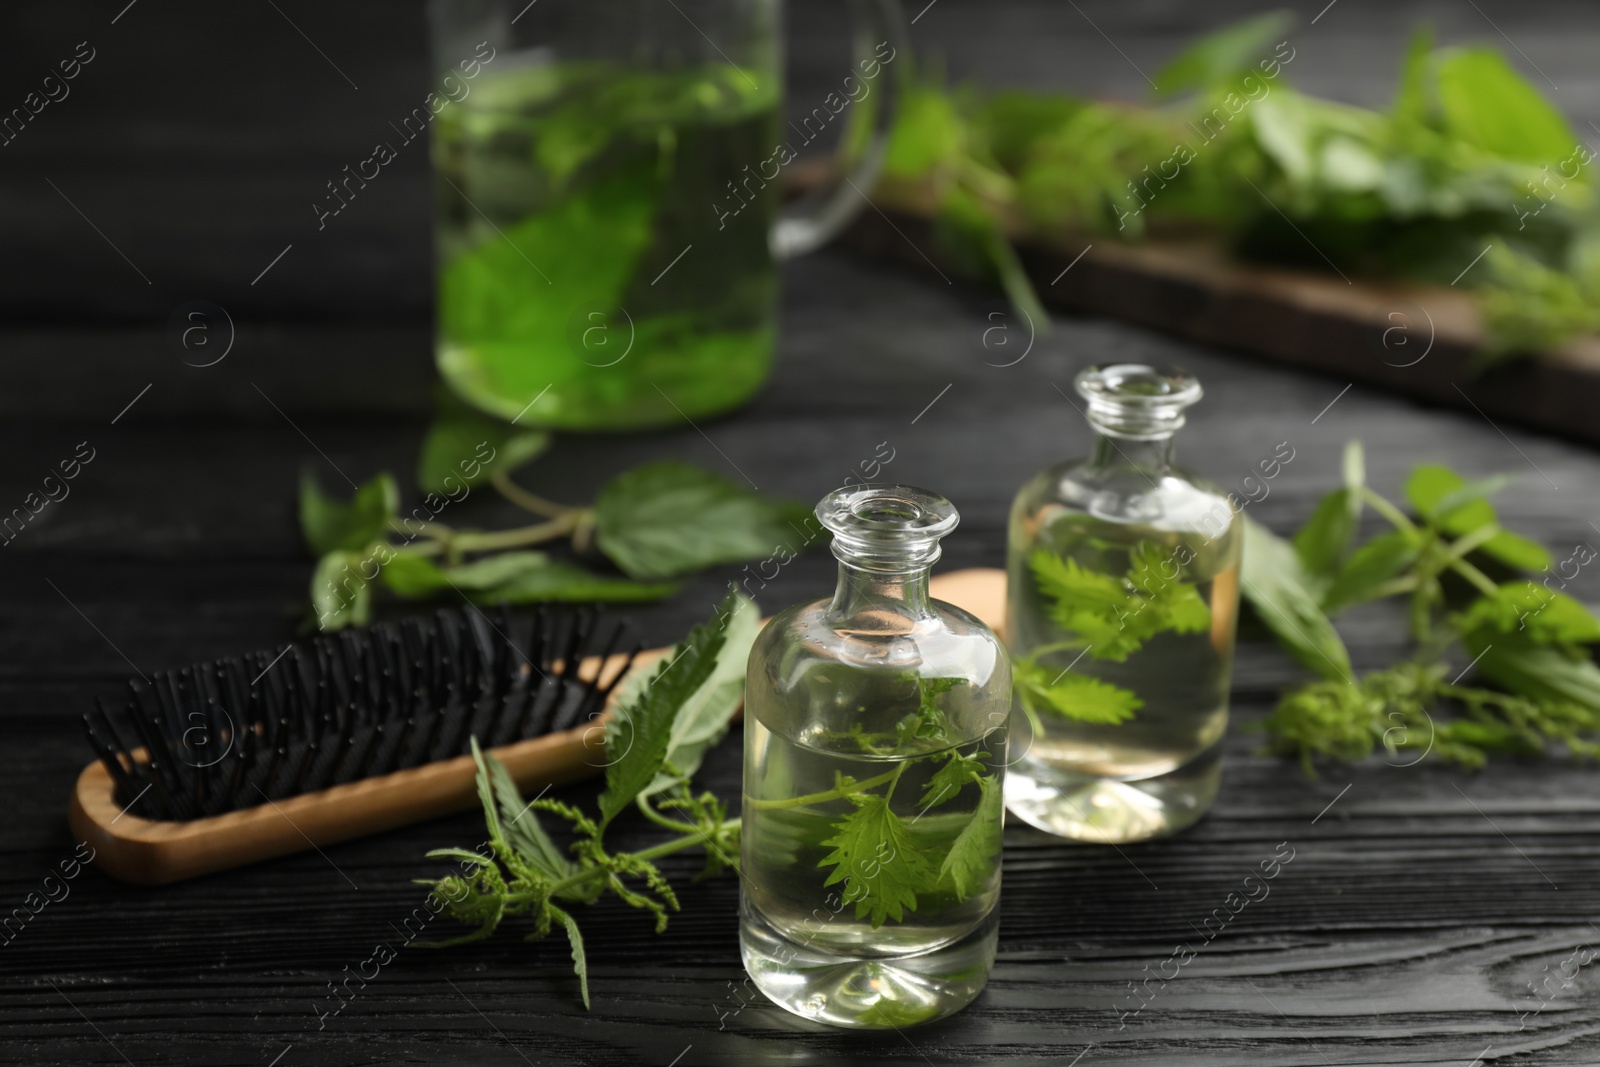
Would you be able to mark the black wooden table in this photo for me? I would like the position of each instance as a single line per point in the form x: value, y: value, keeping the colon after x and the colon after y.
x: 1421, y: 904
x: 1418, y: 905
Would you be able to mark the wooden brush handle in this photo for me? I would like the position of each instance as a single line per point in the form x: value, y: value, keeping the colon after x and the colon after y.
x: 149, y: 852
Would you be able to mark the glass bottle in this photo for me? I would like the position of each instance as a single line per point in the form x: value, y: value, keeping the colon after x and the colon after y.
x: 1122, y: 596
x: 875, y: 730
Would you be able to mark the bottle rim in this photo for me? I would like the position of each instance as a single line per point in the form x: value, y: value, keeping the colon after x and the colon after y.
x: 882, y: 525
x: 1138, y: 401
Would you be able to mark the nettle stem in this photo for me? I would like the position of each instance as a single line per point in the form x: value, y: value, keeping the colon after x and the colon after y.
x: 836, y: 793
x: 474, y: 541
x: 519, y: 496
x: 447, y: 541
x: 589, y: 874
x: 1454, y: 559
x: 1396, y: 517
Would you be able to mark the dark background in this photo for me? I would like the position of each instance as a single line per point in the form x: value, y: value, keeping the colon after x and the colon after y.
x: 1406, y: 930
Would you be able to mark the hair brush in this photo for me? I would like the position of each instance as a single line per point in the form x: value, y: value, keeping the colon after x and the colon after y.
x: 218, y: 765
x: 221, y: 764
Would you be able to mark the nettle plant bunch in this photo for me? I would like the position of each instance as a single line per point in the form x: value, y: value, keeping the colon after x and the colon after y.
x: 1467, y: 155
x: 666, y: 720
x: 1477, y: 594
x: 653, y: 524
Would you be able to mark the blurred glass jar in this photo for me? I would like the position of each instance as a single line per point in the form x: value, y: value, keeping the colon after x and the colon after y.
x: 608, y: 178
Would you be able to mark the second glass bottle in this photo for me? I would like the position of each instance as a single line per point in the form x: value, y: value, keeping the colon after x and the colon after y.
x: 1122, y: 595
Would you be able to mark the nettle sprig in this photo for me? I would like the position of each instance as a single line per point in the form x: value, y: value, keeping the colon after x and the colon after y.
x: 1467, y: 155
x: 653, y: 524
x: 1105, y: 617
x: 890, y: 866
x: 665, y: 721
x: 1535, y: 687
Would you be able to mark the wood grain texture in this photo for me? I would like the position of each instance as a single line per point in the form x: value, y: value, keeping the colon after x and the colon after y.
x: 1405, y: 930
x: 1415, y: 912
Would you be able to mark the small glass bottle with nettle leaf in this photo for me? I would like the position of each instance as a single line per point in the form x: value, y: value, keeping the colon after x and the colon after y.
x: 875, y: 746
x: 1122, y: 597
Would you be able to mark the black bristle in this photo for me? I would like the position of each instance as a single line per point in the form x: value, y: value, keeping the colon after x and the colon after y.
x: 157, y: 790
x: 269, y: 777
x: 242, y: 759
x: 592, y: 694
x: 502, y: 716
x: 220, y: 736
x: 393, y: 760
x: 461, y: 713
x: 362, y: 767
x: 423, y: 700
x: 107, y: 749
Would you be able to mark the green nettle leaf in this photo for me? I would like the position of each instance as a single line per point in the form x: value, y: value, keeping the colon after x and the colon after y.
x: 338, y: 594
x: 515, y: 578
x: 928, y: 724
x: 1378, y: 561
x: 1073, y: 696
x: 928, y: 133
x: 580, y: 960
x: 875, y: 852
x: 1544, y: 673
x: 1410, y: 107
x: 330, y: 525
x: 487, y: 787
x: 1013, y: 121
x: 1086, y: 603
x: 888, y: 1012
x: 1488, y: 104
x: 1450, y: 507
x: 952, y: 777
x: 1458, y: 507
x: 414, y: 576
x: 1219, y: 58
x: 1516, y: 551
x: 1116, y: 615
x: 492, y: 298
x: 514, y: 822
x: 1543, y: 615
x: 1169, y: 604
x: 464, y: 446
x: 704, y: 717
x: 669, y: 518
x: 971, y: 859
x: 1430, y: 483
x: 640, y: 734
x: 1322, y: 541
x: 1278, y: 587
x: 1073, y: 588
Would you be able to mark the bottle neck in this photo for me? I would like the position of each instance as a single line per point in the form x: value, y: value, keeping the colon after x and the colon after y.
x: 1153, y: 456
x: 875, y: 599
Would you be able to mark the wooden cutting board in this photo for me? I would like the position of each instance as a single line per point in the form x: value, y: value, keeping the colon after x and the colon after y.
x: 1417, y: 340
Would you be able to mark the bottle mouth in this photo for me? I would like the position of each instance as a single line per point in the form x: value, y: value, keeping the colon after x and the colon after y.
x: 887, y: 527
x: 1137, y: 401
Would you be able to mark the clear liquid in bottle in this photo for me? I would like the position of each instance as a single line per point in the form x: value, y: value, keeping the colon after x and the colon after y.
x: 875, y: 731
x: 1122, y: 598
